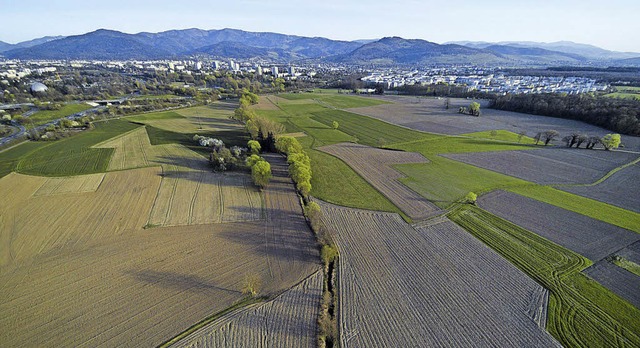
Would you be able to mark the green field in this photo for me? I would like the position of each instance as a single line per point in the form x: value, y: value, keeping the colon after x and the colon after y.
x: 445, y: 181
x: 581, y: 312
x: 625, y: 92
x: 332, y: 180
x: 628, y: 89
x: 623, y: 95
x: 45, y: 116
x: 9, y: 158
x: 74, y: 155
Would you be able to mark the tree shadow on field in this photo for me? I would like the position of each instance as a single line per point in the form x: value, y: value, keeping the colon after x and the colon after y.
x: 172, y: 280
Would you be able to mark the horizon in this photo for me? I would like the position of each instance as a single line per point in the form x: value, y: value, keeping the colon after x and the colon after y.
x: 606, y: 25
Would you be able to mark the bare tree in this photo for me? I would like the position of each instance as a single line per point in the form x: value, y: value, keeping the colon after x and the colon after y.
x: 549, y: 136
x: 581, y: 139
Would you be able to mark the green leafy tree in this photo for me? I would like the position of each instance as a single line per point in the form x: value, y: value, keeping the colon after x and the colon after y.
x: 253, y: 159
x: 474, y: 109
x: 254, y: 147
x: 335, y: 124
x: 610, y: 141
x: 471, y: 198
x: 261, y: 173
x: 288, y: 145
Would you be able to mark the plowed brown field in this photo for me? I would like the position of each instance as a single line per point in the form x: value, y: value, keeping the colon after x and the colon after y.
x: 432, y: 285
x: 286, y: 321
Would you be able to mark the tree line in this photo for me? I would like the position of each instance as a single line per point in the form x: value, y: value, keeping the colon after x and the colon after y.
x: 618, y: 115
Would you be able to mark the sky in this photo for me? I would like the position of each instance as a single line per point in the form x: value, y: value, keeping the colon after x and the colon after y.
x: 611, y: 24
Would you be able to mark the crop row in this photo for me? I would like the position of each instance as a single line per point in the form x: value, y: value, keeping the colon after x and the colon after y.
x: 581, y: 311
x: 549, y: 166
x: 435, y: 286
x: 289, y: 320
x: 589, y: 237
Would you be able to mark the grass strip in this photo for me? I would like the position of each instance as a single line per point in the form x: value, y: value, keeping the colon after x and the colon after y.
x: 626, y: 264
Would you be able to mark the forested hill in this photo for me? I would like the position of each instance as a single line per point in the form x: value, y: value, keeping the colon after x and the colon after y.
x: 617, y: 115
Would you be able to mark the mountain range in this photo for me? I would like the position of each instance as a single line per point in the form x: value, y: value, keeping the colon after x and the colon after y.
x: 106, y: 44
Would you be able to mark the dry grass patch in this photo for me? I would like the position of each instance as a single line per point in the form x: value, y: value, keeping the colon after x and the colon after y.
x: 131, y: 150
x: 70, y: 184
x: 37, y: 224
x: 82, y: 271
x: 265, y: 104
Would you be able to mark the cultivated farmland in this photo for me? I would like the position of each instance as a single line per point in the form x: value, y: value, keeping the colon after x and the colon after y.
x: 617, y: 279
x: 549, y: 166
x: 78, y: 268
x: 200, y: 119
x: 430, y: 115
x: 581, y: 311
x: 434, y: 286
x: 614, y: 190
x: 121, y: 203
x: 70, y: 184
x: 289, y: 320
x: 591, y: 238
x: 375, y: 166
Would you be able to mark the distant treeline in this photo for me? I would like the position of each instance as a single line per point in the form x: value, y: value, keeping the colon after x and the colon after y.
x: 617, y: 115
x: 442, y: 90
x: 611, y: 75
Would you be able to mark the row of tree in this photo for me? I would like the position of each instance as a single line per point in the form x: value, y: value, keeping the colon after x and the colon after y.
x: 618, y: 115
x: 299, y: 163
x: 609, y: 141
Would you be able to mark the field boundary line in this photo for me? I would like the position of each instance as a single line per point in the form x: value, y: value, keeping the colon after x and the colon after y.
x: 605, y: 177
x: 99, y: 145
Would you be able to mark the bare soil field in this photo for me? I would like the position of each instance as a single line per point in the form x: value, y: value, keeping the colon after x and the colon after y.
x: 433, y: 285
x: 617, y: 279
x: 37, y: 224
x: 631, y: 253
x: 430, y: 115
x: 549, y: 165
x: 79, y: 269
x: 591, y: 238
x: 620, y: 189
x: 289, y: 320
x: 200, y: 197
x: 375, y: 166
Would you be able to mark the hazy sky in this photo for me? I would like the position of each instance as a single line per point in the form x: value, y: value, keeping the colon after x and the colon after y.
x: 610, y: 24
